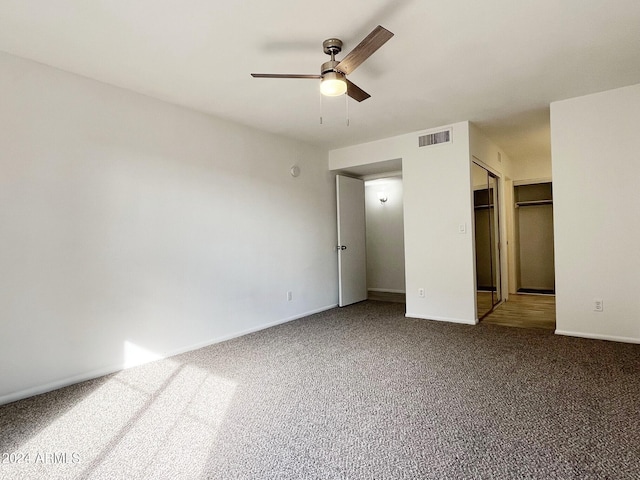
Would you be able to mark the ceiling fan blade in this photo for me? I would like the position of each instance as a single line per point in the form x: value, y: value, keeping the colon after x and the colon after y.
x: 372, y: 42
x: 284, y: 75
x: 356, y: 92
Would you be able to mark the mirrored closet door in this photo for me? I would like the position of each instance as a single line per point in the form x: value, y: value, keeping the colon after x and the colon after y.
x: 487, y: 239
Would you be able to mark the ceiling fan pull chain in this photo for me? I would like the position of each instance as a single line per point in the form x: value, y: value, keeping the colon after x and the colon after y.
x: 321, y: 104
x: 346, y: 101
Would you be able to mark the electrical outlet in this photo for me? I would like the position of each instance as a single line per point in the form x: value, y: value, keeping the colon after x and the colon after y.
x: 598, y: 305
x: 289, y: 296
x: 421, y: 292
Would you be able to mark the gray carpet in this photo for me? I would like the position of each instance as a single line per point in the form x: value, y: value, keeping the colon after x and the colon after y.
x: 355, y: 393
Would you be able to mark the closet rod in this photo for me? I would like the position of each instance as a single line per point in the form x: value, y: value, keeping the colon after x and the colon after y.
x: 534, y: 202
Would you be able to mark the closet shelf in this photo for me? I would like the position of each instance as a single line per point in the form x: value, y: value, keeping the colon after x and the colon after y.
x: 534, y: 202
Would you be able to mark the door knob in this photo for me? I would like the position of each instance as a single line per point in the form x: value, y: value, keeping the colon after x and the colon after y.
x: 341, y: 247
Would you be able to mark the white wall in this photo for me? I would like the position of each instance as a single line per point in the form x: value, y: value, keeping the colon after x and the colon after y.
x: 385, y: 235
x: 596, y: 169
x: 531, y: 169
x: 489, y: 154
x: 131, y: 225
x: 437, y: 200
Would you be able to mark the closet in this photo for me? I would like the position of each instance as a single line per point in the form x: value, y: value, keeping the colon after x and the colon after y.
x: 535, y: 267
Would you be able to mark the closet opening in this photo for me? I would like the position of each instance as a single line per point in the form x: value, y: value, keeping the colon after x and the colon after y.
x: 535, y: 267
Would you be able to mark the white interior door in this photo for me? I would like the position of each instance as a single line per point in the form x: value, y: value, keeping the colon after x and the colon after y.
x: 352, y: 255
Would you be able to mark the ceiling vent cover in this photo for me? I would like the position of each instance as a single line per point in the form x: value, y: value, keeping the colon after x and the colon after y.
x: 435, y: 138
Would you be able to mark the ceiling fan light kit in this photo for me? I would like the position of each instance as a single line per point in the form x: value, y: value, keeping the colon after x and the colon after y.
x: 333, y: 74
x: 333, y: 84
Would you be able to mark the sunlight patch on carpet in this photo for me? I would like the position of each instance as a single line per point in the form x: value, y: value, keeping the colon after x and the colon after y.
x: 129, y: 428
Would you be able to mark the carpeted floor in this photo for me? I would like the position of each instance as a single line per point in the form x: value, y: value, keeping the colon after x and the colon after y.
x: 355, y: 393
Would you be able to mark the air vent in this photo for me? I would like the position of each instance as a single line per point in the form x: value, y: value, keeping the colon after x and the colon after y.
x: 443, y: 136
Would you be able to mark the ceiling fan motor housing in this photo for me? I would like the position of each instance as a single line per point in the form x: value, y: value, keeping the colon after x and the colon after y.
x: 329, y: 66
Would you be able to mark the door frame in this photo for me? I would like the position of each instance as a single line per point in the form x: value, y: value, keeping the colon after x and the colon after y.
x: 365, y: 175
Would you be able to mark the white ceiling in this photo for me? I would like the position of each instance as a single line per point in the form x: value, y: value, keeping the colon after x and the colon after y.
x: 498, y: 63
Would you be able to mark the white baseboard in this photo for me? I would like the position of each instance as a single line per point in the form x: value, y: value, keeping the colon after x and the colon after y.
x: 82, y: 377
x: 48, y: 387
x: 596, y: 336
x: 241, y: 333
x: 441, y: 319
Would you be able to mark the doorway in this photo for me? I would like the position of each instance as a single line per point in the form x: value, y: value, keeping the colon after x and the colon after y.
x: 486, y: 205
x: 385, y: 238
x: 370, y: 238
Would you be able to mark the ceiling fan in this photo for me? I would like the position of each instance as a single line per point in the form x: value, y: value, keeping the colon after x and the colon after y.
x: 333, y: 74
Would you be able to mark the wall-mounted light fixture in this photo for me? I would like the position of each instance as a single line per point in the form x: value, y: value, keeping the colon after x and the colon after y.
x: 382, y: 196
